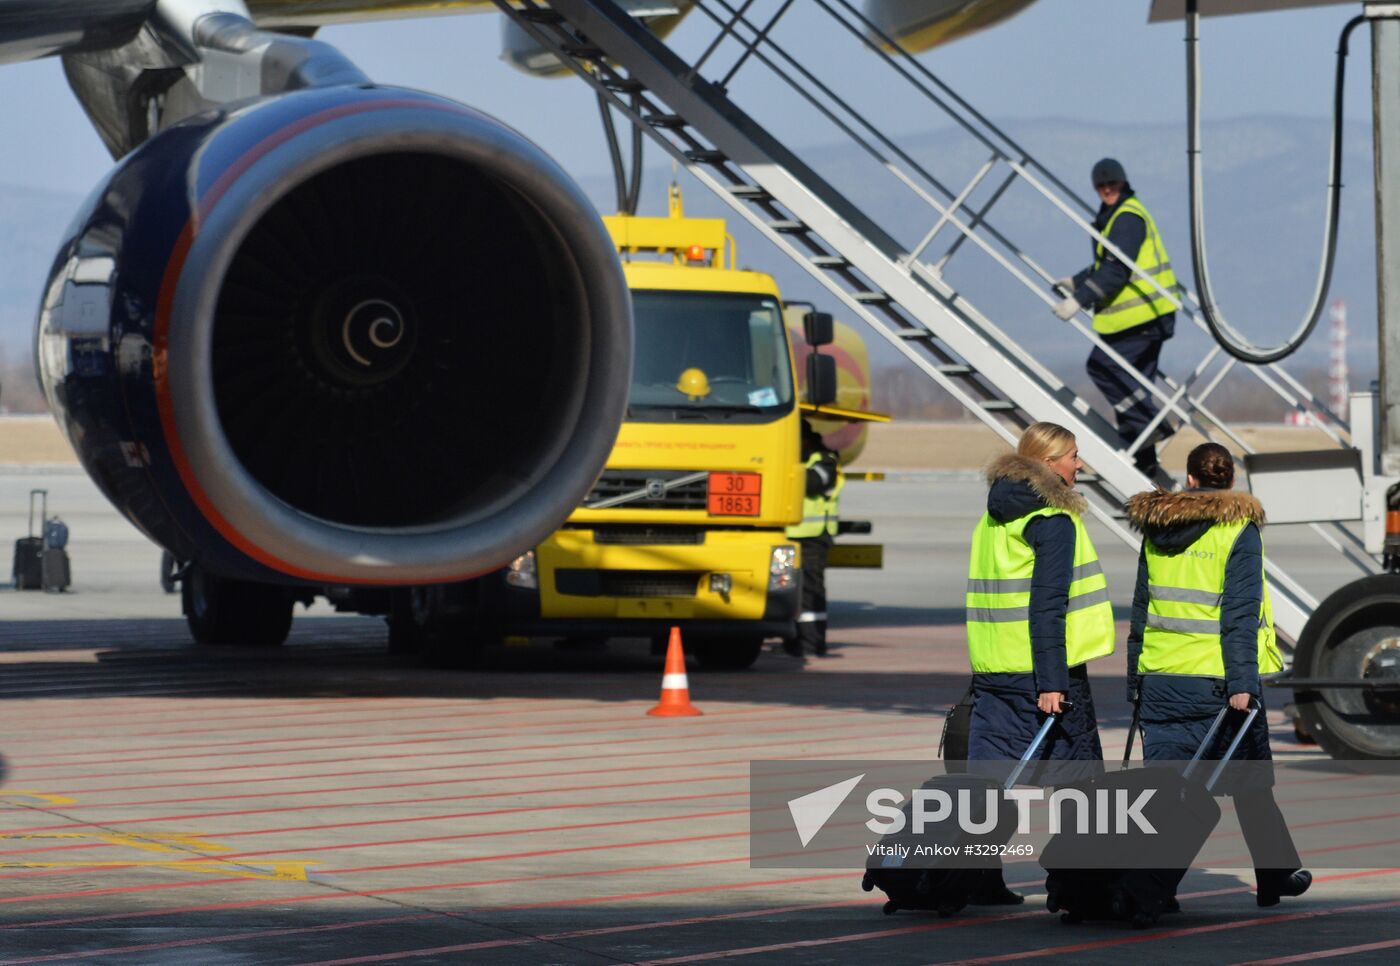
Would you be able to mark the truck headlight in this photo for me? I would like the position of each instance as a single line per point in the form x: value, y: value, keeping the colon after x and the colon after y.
x: 782, y: 568
x: 522, y: 572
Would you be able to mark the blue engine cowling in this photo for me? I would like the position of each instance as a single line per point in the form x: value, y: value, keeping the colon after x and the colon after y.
x: 351, y: 335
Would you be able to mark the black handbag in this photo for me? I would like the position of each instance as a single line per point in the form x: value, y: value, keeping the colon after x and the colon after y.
x: 957, y: 732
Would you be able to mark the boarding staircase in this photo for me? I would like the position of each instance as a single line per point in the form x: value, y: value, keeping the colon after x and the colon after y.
x: 900, y: 291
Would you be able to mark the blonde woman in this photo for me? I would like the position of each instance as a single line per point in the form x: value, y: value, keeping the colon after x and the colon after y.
x: 1037, y: 605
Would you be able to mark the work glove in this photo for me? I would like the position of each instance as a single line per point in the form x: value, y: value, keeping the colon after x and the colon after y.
x: 1134, y: 688
x: 1067, y: 309
x: 1063, y: 286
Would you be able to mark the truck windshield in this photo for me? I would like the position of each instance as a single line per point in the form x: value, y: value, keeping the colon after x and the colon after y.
x: 709, y: 355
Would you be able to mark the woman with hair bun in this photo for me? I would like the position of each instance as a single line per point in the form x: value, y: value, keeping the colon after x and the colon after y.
x: 1202, y: 632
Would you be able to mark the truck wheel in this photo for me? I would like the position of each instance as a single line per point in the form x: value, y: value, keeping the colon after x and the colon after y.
x: 734, y: 655
x: 1353, y: 635
x: 223, y: 611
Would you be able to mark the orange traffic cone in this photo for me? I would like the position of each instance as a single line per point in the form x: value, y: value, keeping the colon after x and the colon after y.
x: 675, y: 688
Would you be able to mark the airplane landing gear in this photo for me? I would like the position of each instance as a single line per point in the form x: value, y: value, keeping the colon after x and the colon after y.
x: 223, y: 611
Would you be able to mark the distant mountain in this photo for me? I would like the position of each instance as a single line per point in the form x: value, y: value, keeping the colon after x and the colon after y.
x: 1265, y: 189
x: 31, y: 229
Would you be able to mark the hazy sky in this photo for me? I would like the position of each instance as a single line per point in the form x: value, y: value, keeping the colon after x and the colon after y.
x: 1095, y: 60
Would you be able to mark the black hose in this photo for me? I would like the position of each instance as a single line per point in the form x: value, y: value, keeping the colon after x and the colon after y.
x: 1230, y: 340
x: 634, y: 190
x: 615, y: 152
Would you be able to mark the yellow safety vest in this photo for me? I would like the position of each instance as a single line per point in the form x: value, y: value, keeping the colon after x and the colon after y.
x: 1184, y: 595
x: 818, y: 512
x: 1137, y: 303
x: 999, y: 597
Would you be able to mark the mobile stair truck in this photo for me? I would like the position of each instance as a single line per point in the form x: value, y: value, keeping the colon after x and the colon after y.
x: 918, y: 245
x: 685, y: 527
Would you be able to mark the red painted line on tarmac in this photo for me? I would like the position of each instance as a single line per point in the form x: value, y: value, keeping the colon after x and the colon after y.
x: 629, y: 896
x: 294, y: 808
x: 114, y: 890
x: 853, y: 736
x: 234, y: 722
x: 223, y: 768
x: 721, y: 717
x: 406, y: 738
x: 582, y: 933
x: 225, y: 938
x: 1323, y: 954
x: 1157, y: 936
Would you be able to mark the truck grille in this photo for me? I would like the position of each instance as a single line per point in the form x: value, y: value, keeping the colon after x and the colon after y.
x: 616, y: 483
x: 578, y: 582
x: 655, y: 536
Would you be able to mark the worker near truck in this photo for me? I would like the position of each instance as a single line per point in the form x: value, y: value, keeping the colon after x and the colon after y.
x: 823, y: 482
x: 1202, y: 632
x: 1130, y: 315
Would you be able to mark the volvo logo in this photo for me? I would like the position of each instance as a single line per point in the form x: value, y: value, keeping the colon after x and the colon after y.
x: 656, y: 489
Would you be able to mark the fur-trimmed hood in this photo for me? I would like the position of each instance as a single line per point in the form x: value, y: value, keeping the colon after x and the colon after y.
x: 1175, y: 520
x: 1020, y: 486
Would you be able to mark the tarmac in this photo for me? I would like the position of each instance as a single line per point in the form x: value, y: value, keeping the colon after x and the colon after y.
x: 326, y: 802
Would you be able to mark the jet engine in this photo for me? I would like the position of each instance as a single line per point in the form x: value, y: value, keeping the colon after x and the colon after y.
x: 345, y: 335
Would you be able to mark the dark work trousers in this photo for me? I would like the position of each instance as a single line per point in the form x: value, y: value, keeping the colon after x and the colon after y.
x: 811, y: 623
x: 1132, y: 403
x: 1266, y: 833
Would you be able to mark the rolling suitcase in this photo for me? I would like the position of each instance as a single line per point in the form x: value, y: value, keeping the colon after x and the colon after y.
x: 946, y: 890
x: 1185, y: 810
x: 28, y: 570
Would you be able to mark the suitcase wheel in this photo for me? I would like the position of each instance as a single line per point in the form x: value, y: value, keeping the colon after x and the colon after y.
x: 1142, y: 920
x: 890, y: 908
x: 867, y: 883
x: 949, y: 909
x: 1071, y: 918
x: 1052, y: 902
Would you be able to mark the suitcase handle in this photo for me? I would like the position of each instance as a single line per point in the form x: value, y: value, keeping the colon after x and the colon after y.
x: 1050, y: 719
x: 43, y: 510
x: 1234, y: 744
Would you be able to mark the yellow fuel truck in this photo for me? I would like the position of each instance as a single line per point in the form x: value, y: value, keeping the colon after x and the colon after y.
x: 685, y: 527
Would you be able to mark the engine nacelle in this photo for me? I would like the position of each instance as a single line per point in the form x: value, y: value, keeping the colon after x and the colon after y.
x: 349, y: 335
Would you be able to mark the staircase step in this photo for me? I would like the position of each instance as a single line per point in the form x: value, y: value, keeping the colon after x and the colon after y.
x: 871, y: 298
x: 787, y: 227
x: 666, y: 120
x: 829, y: 261
x: 708, y: 156
x: 997, y: 405
x: 748, y: 191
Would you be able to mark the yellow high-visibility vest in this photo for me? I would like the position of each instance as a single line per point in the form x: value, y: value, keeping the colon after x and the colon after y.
x: 999, y: 597
x: 1185, y: 594
x: 1137, y: 303
x: 818, y: 512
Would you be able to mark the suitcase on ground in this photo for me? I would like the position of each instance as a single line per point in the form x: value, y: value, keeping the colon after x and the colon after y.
x: 947, y: 890
x: 957, y: 733
x: 55, y: 575
x: 1186, y: 811
x: 28, y: 570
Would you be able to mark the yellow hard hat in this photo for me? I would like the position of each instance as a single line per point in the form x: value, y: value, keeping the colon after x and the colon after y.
x: 694, y: 383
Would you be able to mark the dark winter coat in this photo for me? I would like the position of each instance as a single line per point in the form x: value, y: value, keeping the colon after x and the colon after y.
x: 1004, y: 713
x: 1177, y: 709
x: 1098, y: 287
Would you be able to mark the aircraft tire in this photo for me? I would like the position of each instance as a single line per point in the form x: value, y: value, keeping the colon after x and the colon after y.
x: 1354, y: 634
x: 222, y: 611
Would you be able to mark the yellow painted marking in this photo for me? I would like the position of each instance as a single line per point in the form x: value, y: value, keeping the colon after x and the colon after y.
x: 281, y: 871
x: 41, y: 796
x: 168, y: 842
